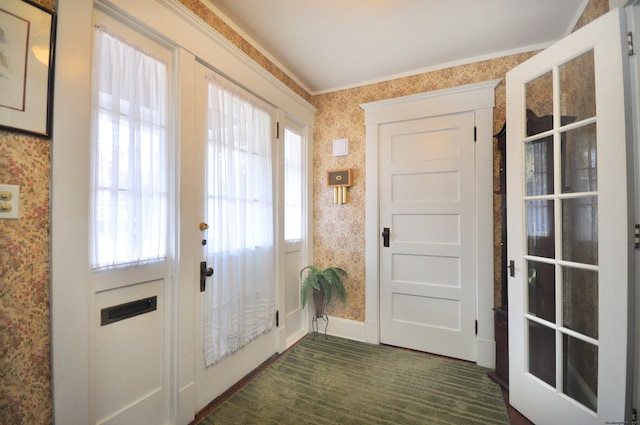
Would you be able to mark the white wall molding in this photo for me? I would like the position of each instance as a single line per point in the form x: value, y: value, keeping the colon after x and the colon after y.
x: 469, y: 97
x: 344, y: 328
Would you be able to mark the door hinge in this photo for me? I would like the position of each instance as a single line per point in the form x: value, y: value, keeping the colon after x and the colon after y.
x: 475, y: 134
x: 277, y: 318
x: 637, y: 236
x: 476, y: 327
x: 630, y: 43
x: 278, y: 130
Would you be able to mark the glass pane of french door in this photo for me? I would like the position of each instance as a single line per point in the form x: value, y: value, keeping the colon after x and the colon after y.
x: 561, y: 229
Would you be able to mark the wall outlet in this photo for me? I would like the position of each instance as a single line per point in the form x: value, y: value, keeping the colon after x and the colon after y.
x: 9, y: 201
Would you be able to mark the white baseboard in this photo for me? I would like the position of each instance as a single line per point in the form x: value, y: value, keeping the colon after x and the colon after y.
x: 372, y: 332
x: 345, y: 328
x: 292, y: 339
x: 486, y: 353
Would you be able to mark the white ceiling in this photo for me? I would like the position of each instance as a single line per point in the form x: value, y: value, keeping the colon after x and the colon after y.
x: 327, y: 45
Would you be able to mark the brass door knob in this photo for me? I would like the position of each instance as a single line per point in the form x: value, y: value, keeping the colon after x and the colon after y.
x: 203, y: 226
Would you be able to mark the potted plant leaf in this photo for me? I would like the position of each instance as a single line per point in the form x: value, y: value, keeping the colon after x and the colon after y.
x: 321, y: 283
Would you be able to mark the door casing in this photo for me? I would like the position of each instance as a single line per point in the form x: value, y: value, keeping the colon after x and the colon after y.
x: 478, y: 97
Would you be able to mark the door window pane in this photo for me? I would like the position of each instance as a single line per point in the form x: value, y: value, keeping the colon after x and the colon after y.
x: 580, y: 301
x: 542, y: 352
x: 539, y: 99
x: 577, y: 87
x: 579, y: 160
x: 292, y: 185
x: 540, y: 228
x: 541, y: 284
x: 580, y: 371
x: 580, y: 230
x: 539, y: 167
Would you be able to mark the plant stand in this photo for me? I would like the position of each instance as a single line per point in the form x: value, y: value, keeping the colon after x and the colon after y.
x: 314, y: 324
x: 319, y: 302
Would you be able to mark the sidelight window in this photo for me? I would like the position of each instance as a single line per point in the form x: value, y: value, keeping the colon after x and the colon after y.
x: 292, y: 185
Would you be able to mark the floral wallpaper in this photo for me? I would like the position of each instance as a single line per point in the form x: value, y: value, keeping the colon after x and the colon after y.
x: 594, y: 9
x: 25, y: 375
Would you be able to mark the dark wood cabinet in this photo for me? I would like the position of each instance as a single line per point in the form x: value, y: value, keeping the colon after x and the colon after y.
x: 501, y: 314
x: 501, y: 322
x: 542, y: 300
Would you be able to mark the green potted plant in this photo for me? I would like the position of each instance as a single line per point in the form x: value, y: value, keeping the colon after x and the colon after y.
x: 321, y: 283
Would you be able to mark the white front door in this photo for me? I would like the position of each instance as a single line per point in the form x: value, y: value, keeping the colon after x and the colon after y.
x: 570, y: 229
x: 197, y: 161
x: 427, y: 252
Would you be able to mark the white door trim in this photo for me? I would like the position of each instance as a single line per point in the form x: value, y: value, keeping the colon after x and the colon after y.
x: 70, y: 309
x: 478, y: 97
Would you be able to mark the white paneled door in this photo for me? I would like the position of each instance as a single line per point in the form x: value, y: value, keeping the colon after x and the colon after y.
x: 570, y: 230
x: 427, y: 251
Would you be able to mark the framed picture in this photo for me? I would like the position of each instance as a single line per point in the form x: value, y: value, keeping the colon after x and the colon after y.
x: 27, y: 39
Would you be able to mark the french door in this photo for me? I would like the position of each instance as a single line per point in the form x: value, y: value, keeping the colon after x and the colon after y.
x: 570, y: 244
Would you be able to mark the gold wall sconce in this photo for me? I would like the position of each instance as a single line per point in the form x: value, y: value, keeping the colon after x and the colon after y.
x: 340, y: 180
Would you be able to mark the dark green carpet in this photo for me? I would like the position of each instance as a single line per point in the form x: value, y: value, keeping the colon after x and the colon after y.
x: 338, y: 381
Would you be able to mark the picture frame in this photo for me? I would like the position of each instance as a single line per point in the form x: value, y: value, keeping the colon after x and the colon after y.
x: 27, y: 41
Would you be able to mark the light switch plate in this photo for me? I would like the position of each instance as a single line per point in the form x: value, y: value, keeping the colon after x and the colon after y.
x: 9, y: 201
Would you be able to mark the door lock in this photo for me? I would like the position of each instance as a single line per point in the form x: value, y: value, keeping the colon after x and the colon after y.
x: 203, y: 226
x: 205, y: 272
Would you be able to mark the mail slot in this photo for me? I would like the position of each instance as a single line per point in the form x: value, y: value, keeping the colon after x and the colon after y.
x: 125, y: 311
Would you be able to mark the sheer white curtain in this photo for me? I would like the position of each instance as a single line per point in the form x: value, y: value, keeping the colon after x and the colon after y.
x: 130, y: 155
x: 240, y: 300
